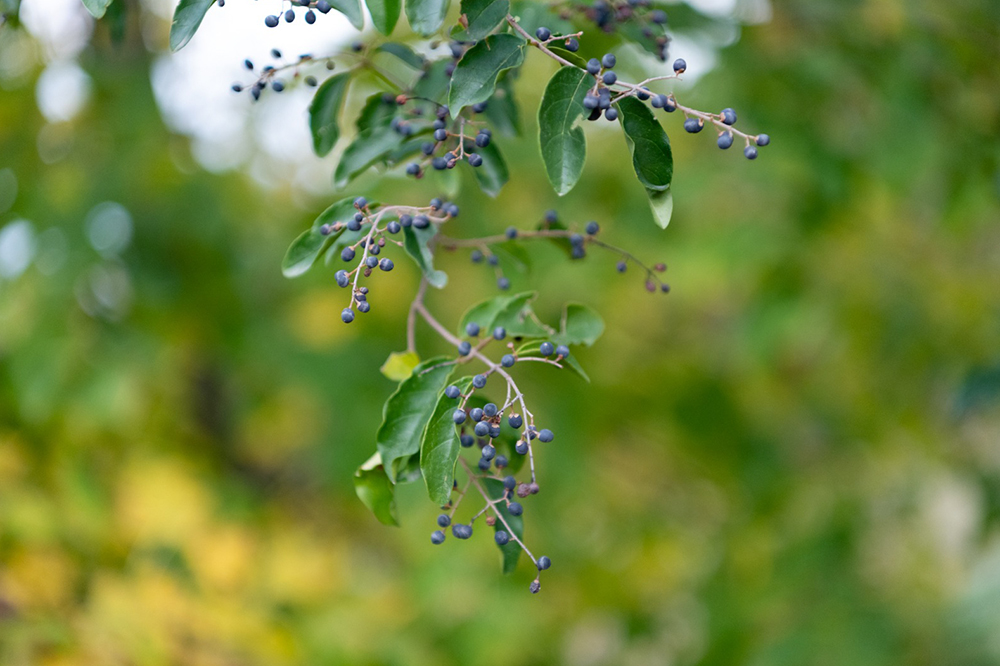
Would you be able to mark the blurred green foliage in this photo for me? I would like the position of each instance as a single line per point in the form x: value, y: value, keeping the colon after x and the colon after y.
x: 791, y: 459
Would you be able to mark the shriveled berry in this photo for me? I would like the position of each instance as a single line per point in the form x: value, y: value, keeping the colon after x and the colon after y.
x: 533, y: 488
x: 535, y: 587
x: 522, y: 490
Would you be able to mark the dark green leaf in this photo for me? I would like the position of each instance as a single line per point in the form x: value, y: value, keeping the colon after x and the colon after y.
x: 568, y: 55
x: 574, y: 366
x: 187, y: 18
x: 384, y: 13
x: 305, y: 249
x: 485, y: 312
x: 376, y: 113
x: 368, y: 148
x: 433, y: 85
x: 439, y: 447
x: 517, y: 317
x: 403, y: 53
x: 532, y: 14
x: 492, y: 174
x: 662, y: 205
x: 415, y: 243
x: 426, y: 16
x: 502, y: 111
x: 325, y: 110
x: 97, y: 7
x: 482, y: 16
x: 352, y: 10
x: 475, y: 77
x: 580, y: 325
x: 376, y: 491
x: 510, y: 552
x: 561, y: 141
x: 648, y: 143
x: 407, y: 411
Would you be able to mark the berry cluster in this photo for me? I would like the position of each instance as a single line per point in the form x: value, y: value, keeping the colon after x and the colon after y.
x: 311, y: 7
x: 638, y: 17
x: 270, y: 74
x: 451, y: 143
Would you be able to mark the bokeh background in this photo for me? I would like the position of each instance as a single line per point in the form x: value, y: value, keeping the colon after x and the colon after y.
x: 793, y: 458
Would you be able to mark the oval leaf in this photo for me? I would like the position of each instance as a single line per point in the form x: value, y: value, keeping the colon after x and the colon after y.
x: 511, y: 551
x: 408, y: 410
x: 400, y: 365
x: 352, y: 10
x: 324, y: 111
x: 305, y: 249
x: 662, y: 205
x: 480, y: 17
x: 415, y: 243
x: 581, y: 325
x: 439, y: 447
x: 475, y: 78
x: 561, y: 141
x: 648, y: 143
x: 187, y: 18
x: 368, y: 147
x: 376, y: 491
x: 384, y: 13
x: 492, y: 174
x: 97, y: 8
x: 426, y: 16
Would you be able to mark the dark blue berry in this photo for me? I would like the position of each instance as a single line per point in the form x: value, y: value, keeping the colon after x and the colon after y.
x: 353, y: 224
x: 591, y: 102
x: 311, y: 81
x: 511, y: 233
x: 451, y: 209
x: 467, y: 440
x: 593, y: 66
x: 484, y: 464
x: 763, y: 139
x: 271, y: 21
x: 572, y: 45
x: 475, y: 160
x: 535, y: 587
x: 658, y: 16
x: 412, y: 169
x: 482, y: 140
x: 507, y: 360
x: 437, y: 537
x: 509, y: 482
x: 458, y: 416
x: 515, y: 509
x: 499, y: 333
x: 609, y: 78
x: 364, y: 306
x: 501, y: 538
x: 278, y: 86
x: 237, y: 87
x: 750, y: 152
x: 360, y: 203
x: 515, y: 421
x: 289, y: 16
x: 347, y: 316
x: 592, y: 228
x: 393, y: 227
x: 472, y: 329
x: 659, y: 101
x: 611, y: 114
x: 464, y: 347
x: 444, y: 520
x: 479, y: 381
x: 440, y: 135
x: 452, y: 392
x: 543, y: 33
x: 725, y: 140
x: 371, y: 262
x: 547, y: 349
x: 439, y: 124
x: 693, y: 125
x: 347, y: 254
x: 461, y: 531
x: 544, y: 563
x: 427, y: 148
x: 405, y: 220
x: 680, y: 66
x: 421, y: 221
x: 489, y: 452
x: 342, y: 279
x: 545, y: 435
x: 562, y: 350
x: 494, y: 431
x: 500, y: 461
x: 503, y: 283
x: 476, y: 256
x: 521, y: 447
x: 476, y: 414
x: 622, y: 266
x: 482, y: 429
x: 490, y: 409
x: 479, y: 108
x: 310, y: 17
x: 609, y: 60
x: 670, y: 105
x: 551, y: 216
x: 323, y: 6
x: 728, y: 116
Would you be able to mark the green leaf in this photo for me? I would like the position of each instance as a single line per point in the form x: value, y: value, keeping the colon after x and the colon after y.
x: 482, y: 16
x: 384, y: 13
x: 574, y: 366
x: 375, y: 490
x: 407, y: 411
x: 352, y: 10
x: 662, y: 205
x: 568, y: 55
x: 561, y: 141
x: 532, y: 14
x: 570, y: 362
x: 502, y: 111
x: 426, y: 16
x: 305, y: 249
x: 484, y: 313
x: 376, y: 113
x: 368, y: 148
x: 475, y: 77
x: 580, y: 325
x: 187, y: 18
x: 513, y: 253
x: 403, y: 53
x: 97, y: 7
x: 433, y: 85
x: 648, y: 143
x: 492, y: 174
x: 415, y: 243
x: 324, y: 111
x: 400, y: 365
x: 439, y: 447
x: 517, y: 317
x: 511, y: 551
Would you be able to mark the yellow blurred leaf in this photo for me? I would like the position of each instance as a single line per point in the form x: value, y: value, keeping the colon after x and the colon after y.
x: 400, y: 365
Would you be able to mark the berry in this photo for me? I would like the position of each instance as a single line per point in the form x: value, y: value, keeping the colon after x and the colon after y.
x: 562, y: 350
x: 371, y: 262
x: 547, y: 349
x: 545, y: 435
x: 405, y: 220
x: 533, y: 488
x: 421, y: 222
x: 461, y: 531
x: 591, y: 102
x: 360, y: 203
x: 592, y: 228
x: 494, y: 431
x: 725, y: 140
x: 515, y: 509
x: 484, y: 464
x: 622, y: 266
x: 501, y: 538
x: 670, y: 105
x: 728, y: 116
x: 511, y: 233
x: 503, y: 283
x: 479, y: 108
x: 482, y: 429
x: 509, y: 482
x: 278, y: 86
x: 609, y: 60
x: 475, y: 160
x: 311, y: 81
x: 476, y: 414
x: 347, y: 316
x: 237, y: 87
x: 522, y: 490
x: 440, y: 135
x: 467, y: 440
x: 353, y: 224
x: 323, y: 6
x: 341, y: 278
x: 490, y: 409
x: 551, y: 216
x: 289, y: 16
x: 572, y: 45
x: 393, y: 227
x: 271, y: 21
x: 680, y: 66
x: 472, y: 329
x: 609, y: 78
x: 543, y: 34
x: 693, y: 125
x: 593, y: 66
x: 364, y: 306
x: 476, y: 256
x: 535, y: 587
x: 544, y: 563
x: 750, y: 152
x: 611, y: 114
x: 515, y: 421
x: 412, y: 169
x: 479, y: 381
x: 507, y: 360
x: 763, y: 139
x: 452, y: 392
x: 489, y: 452
x: 482, y: 139
x: 458, y: 416
x: 521, y: 447
x: 444, y: 520
x: 347, y: 254
x: 658, y: 16
x: 658, y: 101
x: 437, y: 537
x: 464, y: 348
x: 310, y: 17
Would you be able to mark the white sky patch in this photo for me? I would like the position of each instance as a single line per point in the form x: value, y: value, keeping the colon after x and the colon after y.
x: 63, y: 27
x: 62, y: 91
